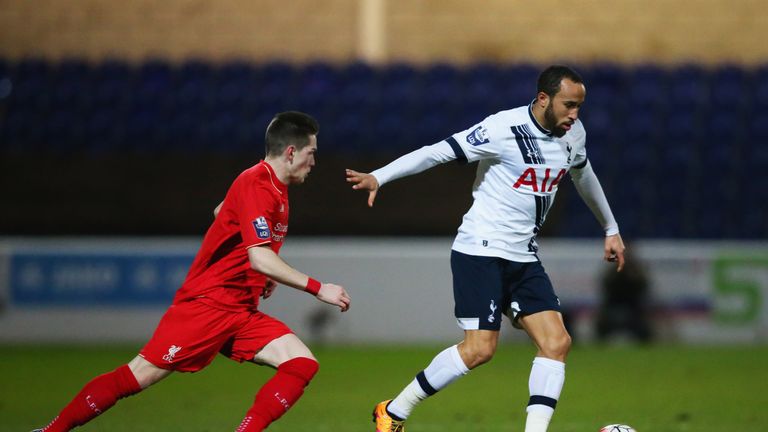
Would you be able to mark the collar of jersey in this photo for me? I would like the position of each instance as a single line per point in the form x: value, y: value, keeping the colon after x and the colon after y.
x: 536, y: 122
x: 276, y: 183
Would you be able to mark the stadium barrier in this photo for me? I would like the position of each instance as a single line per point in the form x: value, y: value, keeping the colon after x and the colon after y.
x: 73, y: 290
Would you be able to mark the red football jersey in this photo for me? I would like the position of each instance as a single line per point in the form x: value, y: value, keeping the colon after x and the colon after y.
x: 254, y: 213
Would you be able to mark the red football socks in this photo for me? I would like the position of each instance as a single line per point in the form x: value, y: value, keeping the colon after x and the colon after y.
x: 279, y: 394
x: 96, y: 397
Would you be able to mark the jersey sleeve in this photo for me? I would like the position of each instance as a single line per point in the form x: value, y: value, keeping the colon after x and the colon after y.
x: 415, y: 162
x: 580, y: 156
x: 254, y: 208
x: 481, y: 141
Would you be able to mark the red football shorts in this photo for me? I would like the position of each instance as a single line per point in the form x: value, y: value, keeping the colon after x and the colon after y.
x: 190, y: 335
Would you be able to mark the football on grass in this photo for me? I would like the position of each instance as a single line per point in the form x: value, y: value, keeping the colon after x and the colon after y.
x: 617, y: 428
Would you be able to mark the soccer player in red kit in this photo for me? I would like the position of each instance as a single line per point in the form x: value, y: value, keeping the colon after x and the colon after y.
x: 215, y: 310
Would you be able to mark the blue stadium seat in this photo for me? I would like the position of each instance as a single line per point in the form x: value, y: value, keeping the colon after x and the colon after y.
x: 317, y: 87
x: 517, y: 84
x: 154, y: 84
x: 219, y: 133
x: 442, y: 88
x: 604, y: 74
x: 392, y: 134
x: 654, y: 133
x: 728, y: 86
x: 401, y: 89
x: 195, y: 70
x: 31, y: 80
x: 722, y: 141
x: 431, y: 127
x: 643, y: 127
x: 351, y: 133
x: 72, y: 86
x: 193, y: 85
x: 481, y: 72
x: 646, y: 87
x: 235, y: 86
x: 759, y: 87
x: 274, y: 71
x: 481, y: 95
x: 276, y: 88
x: 113, y: 84
x: 688, y: 87
x: 358, y: 86
x: 235, y: 71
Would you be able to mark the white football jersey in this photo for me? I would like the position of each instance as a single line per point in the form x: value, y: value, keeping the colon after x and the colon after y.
x: 520, y: 167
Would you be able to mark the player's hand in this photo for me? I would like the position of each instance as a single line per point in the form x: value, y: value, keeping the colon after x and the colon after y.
x: 269, y: 288
x: 614, y: 250
x: 365, y: 182
x: 335, y: 295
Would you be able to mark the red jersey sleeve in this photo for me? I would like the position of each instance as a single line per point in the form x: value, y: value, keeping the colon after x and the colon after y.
x: 255, y: 209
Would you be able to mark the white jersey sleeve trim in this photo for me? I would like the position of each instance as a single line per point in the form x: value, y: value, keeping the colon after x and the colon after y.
x: 588, y: 186
x: 415, y: 162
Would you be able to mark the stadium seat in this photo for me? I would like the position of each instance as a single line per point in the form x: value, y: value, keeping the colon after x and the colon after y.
x: 516, y: 84
x: 688, y: 87
x: 317, y: 88
x: 400, y: 87
x: 653, y: 132
x: 646, y: 87
x: 728, y: 86
x: 351, y: 133
x: 759, y: 87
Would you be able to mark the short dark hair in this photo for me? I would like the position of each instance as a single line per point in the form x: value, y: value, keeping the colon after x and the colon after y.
x: 289, y: 128
x: 550, y: 78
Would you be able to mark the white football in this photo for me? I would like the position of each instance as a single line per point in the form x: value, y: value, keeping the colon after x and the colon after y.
x: 617, y: 428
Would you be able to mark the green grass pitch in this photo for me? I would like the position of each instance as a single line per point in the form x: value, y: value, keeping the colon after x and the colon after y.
x: 654, y: 389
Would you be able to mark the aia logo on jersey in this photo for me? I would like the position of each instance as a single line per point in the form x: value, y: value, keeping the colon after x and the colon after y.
x: 530, y: 179
x: 262, y: 228
x: 478, y: 136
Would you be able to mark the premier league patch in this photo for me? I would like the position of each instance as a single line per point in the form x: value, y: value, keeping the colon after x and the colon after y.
x: 478, y: 136
x: 262, y: 228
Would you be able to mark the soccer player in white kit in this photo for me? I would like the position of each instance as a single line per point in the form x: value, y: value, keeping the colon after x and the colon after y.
x: 522, y: 156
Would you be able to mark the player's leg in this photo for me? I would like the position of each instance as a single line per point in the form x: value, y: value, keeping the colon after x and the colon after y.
x: 445, y: 368
x: 536, y: 308
x: 548, y: 332
x: 477, y: 287
x: 477, y: 348
x: 548, y: 371
x: 284, y: 351
x: 102, y: 392
x: 187, y: 339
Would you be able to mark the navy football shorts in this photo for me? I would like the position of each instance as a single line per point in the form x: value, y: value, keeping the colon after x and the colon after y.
x: 486, y: 287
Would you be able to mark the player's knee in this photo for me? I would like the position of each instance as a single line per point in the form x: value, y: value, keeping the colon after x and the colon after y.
x: 479, y: 355
x: 557, y: 347
x: 301, y: 367
x: 145, y: 372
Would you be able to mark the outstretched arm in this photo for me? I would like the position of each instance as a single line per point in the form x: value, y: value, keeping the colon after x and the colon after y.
x: 409, y: 164
x: 265, y: 261
x: 591, y: 192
